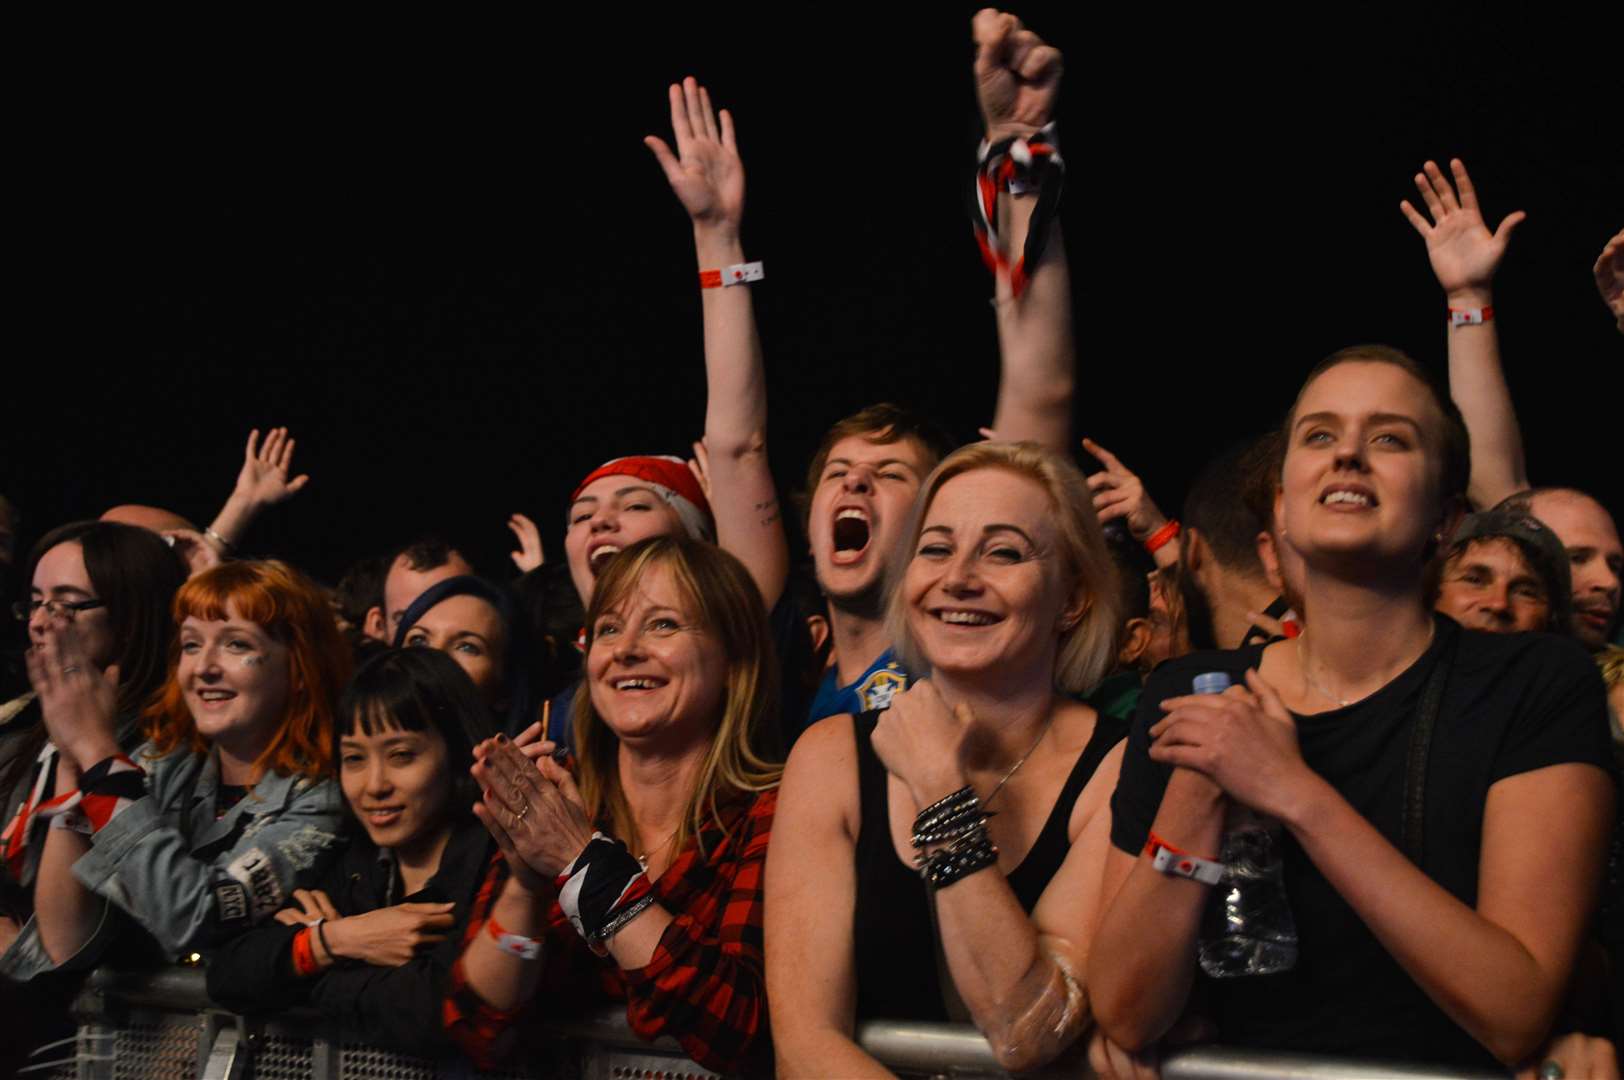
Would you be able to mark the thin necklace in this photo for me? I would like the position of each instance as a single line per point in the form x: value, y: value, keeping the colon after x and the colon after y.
x: 1314, y: 683
x: 642, y: 860
x: 1013, y: 768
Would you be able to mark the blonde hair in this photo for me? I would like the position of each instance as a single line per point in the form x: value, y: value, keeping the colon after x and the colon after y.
x: 741, y: 758
x: 1088, y: 649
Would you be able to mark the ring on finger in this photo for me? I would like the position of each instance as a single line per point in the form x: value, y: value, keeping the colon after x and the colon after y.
x: 522, y: 812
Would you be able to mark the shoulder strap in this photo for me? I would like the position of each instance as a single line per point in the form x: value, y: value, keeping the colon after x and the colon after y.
x: 1426, y: 717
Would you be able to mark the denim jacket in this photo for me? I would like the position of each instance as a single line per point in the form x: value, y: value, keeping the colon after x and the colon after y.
x: 189, y: 879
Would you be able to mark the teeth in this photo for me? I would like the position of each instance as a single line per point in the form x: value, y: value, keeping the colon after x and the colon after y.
x: 634, y: 684
x: 967, y: 618
x: 851, y: 512
x: 1355, y: 497
x: 215, y: 695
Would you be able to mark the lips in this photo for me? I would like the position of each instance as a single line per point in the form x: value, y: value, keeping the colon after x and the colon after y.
x: 598, y: 556
x: 382, y: 817
x: 965, y: 617
x: 214, y: 697
x: 1349, y: 497
x: 851, y: 531
x: 637, y: 683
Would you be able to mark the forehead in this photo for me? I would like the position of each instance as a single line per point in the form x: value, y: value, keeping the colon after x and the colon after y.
x: 1360, y: 387
x: 992, y: 496
x: 1500, y: 553
x: 1577, y: 520
x: 865, y: 450
x: 62, y: 567
x: 233, y: 618
x: 609, y: 487
x: 463, y: 612
x: 656, y: 587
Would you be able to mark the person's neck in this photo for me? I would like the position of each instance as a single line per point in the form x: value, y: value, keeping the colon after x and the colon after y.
x: 1009, y: 711
x: 656, y: 783
x: 1235, y: 598
x: 237, y: 759
x: 858, y: 638
x: 419, y: 860
x: 1360, y: 635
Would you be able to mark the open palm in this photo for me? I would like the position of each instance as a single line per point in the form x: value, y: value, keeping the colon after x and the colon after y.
x: 1463, y: 252
x: 705, y: 173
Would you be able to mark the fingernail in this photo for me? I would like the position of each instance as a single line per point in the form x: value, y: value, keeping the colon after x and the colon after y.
x: 501, y: 740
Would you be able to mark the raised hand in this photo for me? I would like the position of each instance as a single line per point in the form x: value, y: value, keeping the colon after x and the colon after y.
x: 1017, y: 75
x: 263, y: 480
x: 1609, y: 270
x: 77, y: 702
x: 921, y: 742
x: 705, y: 173
x: 391, y: 936
x: 1119, y: 493
x: 530, y: 554
x: 1464, y: 254
x: 194, y: 550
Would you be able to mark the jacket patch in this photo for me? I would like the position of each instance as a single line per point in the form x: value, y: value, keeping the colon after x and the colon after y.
x: 305, y: 846
x: 232, y: 901
x: 253, y: 868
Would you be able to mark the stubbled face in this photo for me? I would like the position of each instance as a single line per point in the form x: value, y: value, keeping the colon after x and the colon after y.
x: 655, y: 673
x: 1490, y: 586
x: 402, y: 585
x: 470, y: 631
x: 235, y: 679
x: 1359, y: 480
x: 859, y: 511
x: 1167, y: 638
x: 611, y: 514
x: 61, y: 576
x: 1595, y: 557
x: 983, y: 589
x: 397, y: 782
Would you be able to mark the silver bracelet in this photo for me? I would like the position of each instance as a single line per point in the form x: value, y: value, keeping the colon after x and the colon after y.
x: 226, y: 546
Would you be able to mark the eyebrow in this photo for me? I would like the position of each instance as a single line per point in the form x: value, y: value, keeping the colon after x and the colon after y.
x: 883, y: 463
x: 1374, y: 418
x: 619, y: 493
x: 996, y: 527
x: 59, y: 590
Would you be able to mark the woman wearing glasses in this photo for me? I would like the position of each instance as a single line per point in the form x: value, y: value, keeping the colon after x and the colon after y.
x: 113, y: 584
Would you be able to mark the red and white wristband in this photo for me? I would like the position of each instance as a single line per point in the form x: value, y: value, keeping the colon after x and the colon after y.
x: 1470, y: 316
x: 513, y: 944
x: 737, y: 274
x: 1175, y: 862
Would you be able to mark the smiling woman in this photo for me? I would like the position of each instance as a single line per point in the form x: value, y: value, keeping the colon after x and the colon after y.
x: 372, y: 941
x: 202, y: 831
x: 1004, y: 597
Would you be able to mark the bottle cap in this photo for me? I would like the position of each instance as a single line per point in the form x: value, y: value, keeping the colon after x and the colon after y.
x: 1211, y: 682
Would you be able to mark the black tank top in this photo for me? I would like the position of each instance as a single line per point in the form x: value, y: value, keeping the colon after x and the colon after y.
x: 895, y: 946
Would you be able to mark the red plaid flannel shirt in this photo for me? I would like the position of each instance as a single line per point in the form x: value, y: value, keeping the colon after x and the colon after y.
x: 706, y: 984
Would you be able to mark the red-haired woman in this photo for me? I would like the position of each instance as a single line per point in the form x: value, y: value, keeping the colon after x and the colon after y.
x: 202, y: 832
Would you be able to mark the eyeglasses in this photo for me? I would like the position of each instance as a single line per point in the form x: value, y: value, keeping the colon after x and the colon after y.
x: 56, y: 609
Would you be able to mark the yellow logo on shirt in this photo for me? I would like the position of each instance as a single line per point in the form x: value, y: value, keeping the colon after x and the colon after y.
x: 878, y: 689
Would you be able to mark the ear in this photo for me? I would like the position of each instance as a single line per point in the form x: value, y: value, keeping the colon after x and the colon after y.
x: 1269, y: 556
x: 1193, y: 550
x: 373, y: 625
x: 1076, y: 611
x: 1135, y: 640
x: 818, y: 627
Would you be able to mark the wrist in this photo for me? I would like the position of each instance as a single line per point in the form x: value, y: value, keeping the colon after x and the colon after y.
x: 1301, y: 801
x: 717, y: 245
x: 937, y: 786
x: 1195, y: 791
x: 88, y: 753
x: 334, y: 940
x: 1472, y: 296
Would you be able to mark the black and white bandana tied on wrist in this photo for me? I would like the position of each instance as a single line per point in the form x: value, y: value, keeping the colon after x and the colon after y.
x: 1018, y: 166
x: 598, y: 890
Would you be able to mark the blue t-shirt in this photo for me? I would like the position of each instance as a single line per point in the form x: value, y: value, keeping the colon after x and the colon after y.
x: 872, y: 690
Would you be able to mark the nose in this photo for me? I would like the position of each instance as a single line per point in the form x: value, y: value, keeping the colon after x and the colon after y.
x: 961, y: 577
x: 603, y: 519
x: 378, y: 782
x: 858, y: 479
x: 1496, y: 602
x: 628, y: 646
x: 1350, y: 454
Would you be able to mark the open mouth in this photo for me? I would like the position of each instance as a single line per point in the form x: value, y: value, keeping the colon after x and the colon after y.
x: 380, y: 819
x: 600, y: 557
x: 965, y: 617
x: 215, y: 697
x: 850, y: 535
x: 1351, y: 498
x: 637, y: 683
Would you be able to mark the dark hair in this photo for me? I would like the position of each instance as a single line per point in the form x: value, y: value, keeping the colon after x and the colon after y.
x: 1453, y: 447
x: 1522, y: 502
x: 424, y: 553
x: 517, y: 695
x: 882, y: 423
x: 551, y: 606
x: 136, y: 575
x: 361, y: 589
x: 418, y: 690
x: 1222, y: 504
x: 1134, y: 567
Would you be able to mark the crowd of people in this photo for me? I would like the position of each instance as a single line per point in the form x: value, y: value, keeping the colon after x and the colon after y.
x: 996, y: 759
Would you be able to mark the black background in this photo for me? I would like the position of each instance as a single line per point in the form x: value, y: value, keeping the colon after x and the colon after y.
x: 441, y: 254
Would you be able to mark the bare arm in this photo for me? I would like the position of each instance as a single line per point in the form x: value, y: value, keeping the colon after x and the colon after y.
x: 1023, y: 978
x: 66, y: 913
x: 707, y: 177
x: 811, y: 898
x: 263, y: 482
x: 1017, y: 80
x: 1143, y: 961
x: 1464, y: 257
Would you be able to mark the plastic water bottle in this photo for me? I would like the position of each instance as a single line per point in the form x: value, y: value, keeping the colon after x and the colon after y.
x: 1247, y: 928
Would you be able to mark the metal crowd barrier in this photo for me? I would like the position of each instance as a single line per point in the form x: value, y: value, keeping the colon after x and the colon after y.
x: 160, y: 1025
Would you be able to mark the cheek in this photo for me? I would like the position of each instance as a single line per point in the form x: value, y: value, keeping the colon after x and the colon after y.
x: 353, y: 781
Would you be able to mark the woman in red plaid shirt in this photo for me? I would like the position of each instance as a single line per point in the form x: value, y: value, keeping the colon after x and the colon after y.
x: 641, y: 873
